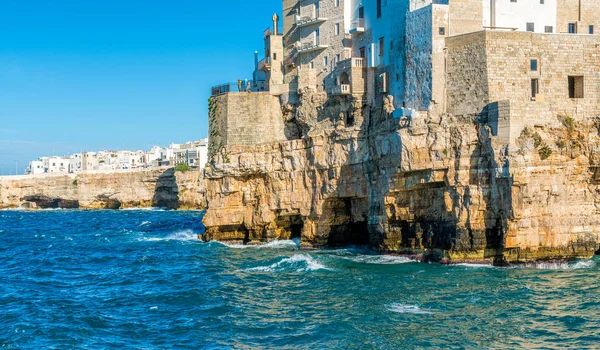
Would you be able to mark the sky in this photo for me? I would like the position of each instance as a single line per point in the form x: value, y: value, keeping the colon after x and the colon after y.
x: 117, y: 74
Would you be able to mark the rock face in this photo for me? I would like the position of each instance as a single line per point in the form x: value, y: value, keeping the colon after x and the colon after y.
x: 116, y: 190
x: 444, y: 188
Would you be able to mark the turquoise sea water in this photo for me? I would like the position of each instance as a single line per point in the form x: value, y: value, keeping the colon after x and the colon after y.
x: 141, y: 279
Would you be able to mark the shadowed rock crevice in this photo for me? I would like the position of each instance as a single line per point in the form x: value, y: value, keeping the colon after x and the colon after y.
x: 166, y: 193
x: 45, y: 202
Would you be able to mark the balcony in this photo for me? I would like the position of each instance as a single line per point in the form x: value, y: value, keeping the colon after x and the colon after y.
x: 303, y: 21
x: 342, y: 89
x: 310, y: 46
x: 265, y: 64
x: 353, y: 62
x: 358, y: 26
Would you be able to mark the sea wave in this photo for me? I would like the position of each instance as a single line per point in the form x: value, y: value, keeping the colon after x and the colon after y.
x: 297, y: 262
x: 185, y: 235
x: 407, y: 309
x: 283, y: 244
x: 145, y: 209
x: 379, y: 259
x: 578, y: 265
x: 476, y: 266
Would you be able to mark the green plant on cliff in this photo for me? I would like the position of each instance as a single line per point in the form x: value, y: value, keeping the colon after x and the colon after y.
x: 561, y: 143
x: 545, y: 152
x: 182, y: 167
x: 75, y: 182
x: 568, y: 122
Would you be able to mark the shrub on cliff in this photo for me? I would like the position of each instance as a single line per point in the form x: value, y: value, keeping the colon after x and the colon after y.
x: 545, y: 152
x: 182, y: 167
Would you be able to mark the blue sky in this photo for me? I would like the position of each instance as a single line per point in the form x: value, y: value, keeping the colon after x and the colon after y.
x: 117, y: 74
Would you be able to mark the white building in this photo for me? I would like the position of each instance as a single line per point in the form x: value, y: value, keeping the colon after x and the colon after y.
x: 58, y: 165
x: 195, y: 154
x: 36, y: 167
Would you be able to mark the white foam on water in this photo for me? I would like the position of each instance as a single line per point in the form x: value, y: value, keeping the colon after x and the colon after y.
x: 476, y: 266
x: 148, y: 208
x: 154, y: 308
x: 144, y: 223
x: 297, y: 262
x: 185, y: 235
x: 285, y: 244
x: 582, y: 264
x: 380, y: 259
x: 407, y: 309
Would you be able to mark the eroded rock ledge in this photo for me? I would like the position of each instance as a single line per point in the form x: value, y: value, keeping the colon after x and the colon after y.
x: 438, y: 186
x: 116, y: 190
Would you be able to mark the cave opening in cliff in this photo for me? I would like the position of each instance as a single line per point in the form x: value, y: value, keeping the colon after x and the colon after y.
x: 598, y: 252
x: 296, y: 228
x: 346, y: 229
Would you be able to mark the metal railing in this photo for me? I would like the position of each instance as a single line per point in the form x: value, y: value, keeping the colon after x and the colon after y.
x: 264, y: 64
x: 267, y: 32
x: 240, y: 86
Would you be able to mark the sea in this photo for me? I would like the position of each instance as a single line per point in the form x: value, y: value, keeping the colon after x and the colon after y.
x: 141, y: 279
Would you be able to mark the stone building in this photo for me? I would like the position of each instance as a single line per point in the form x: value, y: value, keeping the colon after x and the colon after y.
x: 421, y: 52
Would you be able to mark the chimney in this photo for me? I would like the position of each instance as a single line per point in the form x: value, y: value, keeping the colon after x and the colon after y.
x: 275, y: 24
x: 255, y: 60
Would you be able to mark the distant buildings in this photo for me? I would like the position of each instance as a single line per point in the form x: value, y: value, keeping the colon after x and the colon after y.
x: 194, y: 154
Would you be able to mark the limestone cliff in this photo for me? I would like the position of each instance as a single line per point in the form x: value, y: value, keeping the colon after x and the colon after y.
x: 127, y: 189
x: 445, y: 188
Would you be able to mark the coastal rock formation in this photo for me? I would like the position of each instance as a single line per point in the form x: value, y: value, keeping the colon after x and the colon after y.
x: 443, y: 187
x: 116, y: 190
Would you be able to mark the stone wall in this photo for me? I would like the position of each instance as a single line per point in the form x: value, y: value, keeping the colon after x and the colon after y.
x: 494, y: 66
x: 465, y: 16
x: 569, y: 11
x: 466, y: 74
x: 243, y: 118
x: 103, y: 190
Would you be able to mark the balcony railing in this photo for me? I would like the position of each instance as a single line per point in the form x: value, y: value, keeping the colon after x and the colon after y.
x: 302, y: 21
x: 342, y: 89
x: 240, y: 86
x: 311, y: 45
x: 353, y: 62
x: 265, y: 64
x: 358, y: 26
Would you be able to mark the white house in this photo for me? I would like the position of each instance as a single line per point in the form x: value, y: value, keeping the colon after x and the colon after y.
x: 36, y: 167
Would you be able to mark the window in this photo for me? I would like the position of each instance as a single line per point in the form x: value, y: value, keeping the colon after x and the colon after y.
x: 337, y: 58
x: 513, y: 0
x: 530, y: 27
x: 575, y: 87
x: 337, y: 29
x: 325, y: 61
x: 311, y: 64
x: 442, y: 30
x: 573, y: 28
x: 542, y: 2
x: 337, y: 3
x: 533, y: 65
x: 535, y: 87
x: 591, y: 29
x: 381, y: 47
x: 274, y: 56
x: 549, y: 29
x: 378, y: 8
